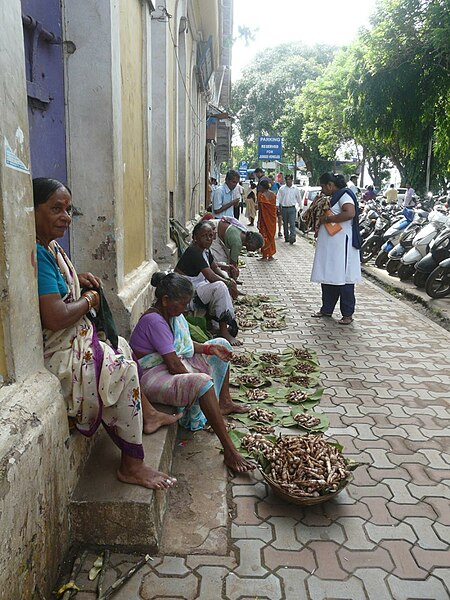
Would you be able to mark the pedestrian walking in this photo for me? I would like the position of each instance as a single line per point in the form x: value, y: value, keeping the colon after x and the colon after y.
x: 250, y: 206
x: 267, y: 219
x: 289, y: 200
x: 337, y: 261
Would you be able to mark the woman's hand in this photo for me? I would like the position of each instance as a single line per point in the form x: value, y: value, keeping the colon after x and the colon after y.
x: 234, y: 272
x: 217, y: 350
x: 88, y: 280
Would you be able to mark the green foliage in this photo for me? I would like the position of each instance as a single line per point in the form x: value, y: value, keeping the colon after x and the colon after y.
x: 275, y: 76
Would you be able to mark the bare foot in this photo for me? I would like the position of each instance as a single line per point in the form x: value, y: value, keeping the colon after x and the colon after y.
x: 145, y: 476
x: 159, y: 419
x: 237, y: 463
x: 233, y: 341
x: 228, y: 407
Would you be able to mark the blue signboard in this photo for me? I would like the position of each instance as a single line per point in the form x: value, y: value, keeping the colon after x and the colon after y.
x: 269, y: 148
x: 243, y: 169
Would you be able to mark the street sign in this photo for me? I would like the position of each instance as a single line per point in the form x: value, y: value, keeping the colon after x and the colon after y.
x: 269, y: 148
x: 243, y: 169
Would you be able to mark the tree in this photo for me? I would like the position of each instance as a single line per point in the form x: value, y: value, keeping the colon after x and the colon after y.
x: 275, y: 76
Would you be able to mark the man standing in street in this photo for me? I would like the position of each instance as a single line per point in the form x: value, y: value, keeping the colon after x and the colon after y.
x: 409, y: 200
x: 391, y: 195
x: 289, y: 200
x: 223, y: 197
x: 353, y: 185
x: 259, y: 174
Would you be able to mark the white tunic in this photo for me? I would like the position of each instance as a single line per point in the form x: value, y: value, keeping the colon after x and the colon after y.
x: 336, y: 262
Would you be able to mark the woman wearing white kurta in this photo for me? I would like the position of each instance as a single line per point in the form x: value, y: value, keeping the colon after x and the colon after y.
x: 337, y: 262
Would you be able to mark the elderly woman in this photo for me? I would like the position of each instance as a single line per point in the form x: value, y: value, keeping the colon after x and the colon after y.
x: 99, y: 384
x: 267, y: 218
x: 231, y: 237
x: 182, y: 373
x: 213, y: 290
x: 337, y: 261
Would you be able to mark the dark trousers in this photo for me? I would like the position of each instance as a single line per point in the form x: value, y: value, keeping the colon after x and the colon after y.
x: 344, y: 293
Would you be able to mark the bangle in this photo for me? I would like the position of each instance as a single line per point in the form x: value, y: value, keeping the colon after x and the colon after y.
x: 88, y: 299
x: 207, y: 349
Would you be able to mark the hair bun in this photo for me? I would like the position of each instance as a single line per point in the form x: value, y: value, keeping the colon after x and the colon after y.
x: 157, y: 278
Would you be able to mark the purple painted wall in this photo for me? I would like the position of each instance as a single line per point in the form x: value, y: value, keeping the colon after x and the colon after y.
x: 42, y: 25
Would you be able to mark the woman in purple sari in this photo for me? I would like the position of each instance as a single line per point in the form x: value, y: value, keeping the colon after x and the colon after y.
x: 99, y: 384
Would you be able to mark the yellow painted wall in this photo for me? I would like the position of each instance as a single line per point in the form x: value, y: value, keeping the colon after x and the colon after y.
x: 131, y: 51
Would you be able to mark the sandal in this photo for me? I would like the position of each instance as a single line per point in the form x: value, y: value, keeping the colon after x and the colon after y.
x: 346, y: 321
x: 319, y: 315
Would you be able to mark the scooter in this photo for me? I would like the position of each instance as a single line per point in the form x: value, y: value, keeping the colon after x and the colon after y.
x: 438, y: 283
x: 436, y: 222
x: 439, y: 250
x: 372, y: 244
x: 392, y: 236
x: 405, y: 241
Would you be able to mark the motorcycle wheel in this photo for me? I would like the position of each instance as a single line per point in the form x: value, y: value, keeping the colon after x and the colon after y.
x: 420, y: 278
x: 368, y: 250
x: 405, y: 271
x: 381, y: 259
x: 392, y: 266
x: 438, y: 283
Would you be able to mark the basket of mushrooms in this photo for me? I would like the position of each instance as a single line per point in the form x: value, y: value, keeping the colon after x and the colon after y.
x: 304, y: 470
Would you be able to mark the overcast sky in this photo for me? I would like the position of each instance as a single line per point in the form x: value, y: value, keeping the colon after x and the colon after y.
x: 311, y: 22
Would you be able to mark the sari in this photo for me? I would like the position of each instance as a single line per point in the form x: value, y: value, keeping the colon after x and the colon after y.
x: 183, y: 390
x: 99, y: 384
x: 267, y: 221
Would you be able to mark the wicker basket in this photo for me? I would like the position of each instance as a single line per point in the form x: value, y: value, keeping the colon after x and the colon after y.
x: 304, y: 501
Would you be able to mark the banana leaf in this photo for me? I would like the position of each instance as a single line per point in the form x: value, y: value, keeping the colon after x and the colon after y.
x: 236, y: 436
x: 279, y: 414
x: 198, y: 329
x: 289, y: 421
x: 236, y: 382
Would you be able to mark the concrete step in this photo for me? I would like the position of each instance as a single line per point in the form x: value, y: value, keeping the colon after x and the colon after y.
x: 106, y: 512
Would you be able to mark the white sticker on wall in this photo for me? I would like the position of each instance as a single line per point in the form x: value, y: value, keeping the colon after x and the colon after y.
x: 12, y: 161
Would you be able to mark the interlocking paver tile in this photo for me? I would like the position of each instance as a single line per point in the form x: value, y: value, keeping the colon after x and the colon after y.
x: 438, y: 460
x: 245, y: 511
x: 328, y: 566
x: 354, y: 533
x: 427, y: 537
x: 285, y: 538
x: 260, y: 532
x: 428, y: 559
x: 352, y: 589
x: 155, y: 586
x: 379, y: 511
x: 211, y: 579
x: 440, y: 490
x: 444, y: 576
x: 401, y: 531
x: 305, y: 559
x: 351, y: 560
x: 406, y: 566
x: 258, y: 490
x: 332, y: 532
x: 268, y: 587
x: 195, y: 560
x: 250, y: 558
x: 431, y: 589
x: 172, y: 565
x: 374, y: 582
x: 294, y: 583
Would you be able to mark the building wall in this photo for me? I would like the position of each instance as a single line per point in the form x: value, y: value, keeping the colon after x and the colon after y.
x: 131, y: 71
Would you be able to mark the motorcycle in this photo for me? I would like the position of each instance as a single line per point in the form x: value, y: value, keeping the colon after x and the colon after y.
x: 436, y: 222
x: 438, y: 283
x: 439, y: 250
x: 405, y: 241
x: 372, y: 244
x: 392, y: 236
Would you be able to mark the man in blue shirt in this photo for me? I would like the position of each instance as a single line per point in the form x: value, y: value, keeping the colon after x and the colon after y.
x: 222, y: 197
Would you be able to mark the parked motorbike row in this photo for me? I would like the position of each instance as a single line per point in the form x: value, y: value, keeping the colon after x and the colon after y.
x: 410, y: 243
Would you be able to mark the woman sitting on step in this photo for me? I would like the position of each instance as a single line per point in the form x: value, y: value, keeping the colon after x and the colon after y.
x: 214, y: 291
x: 99, y: 384
x: 182, y: 373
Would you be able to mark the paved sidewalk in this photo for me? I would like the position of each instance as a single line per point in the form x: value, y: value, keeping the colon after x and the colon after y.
x: 387, y: 535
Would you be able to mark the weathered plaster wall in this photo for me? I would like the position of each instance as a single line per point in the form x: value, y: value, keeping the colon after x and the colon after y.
x: 131, y: 68
x: 39, y: 461
x: 104, y: 235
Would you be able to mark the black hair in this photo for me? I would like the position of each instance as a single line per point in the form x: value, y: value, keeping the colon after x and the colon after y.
x: 231, y: 174
x: 252, y: 185
x: 200, y: 225
x: 264, y: 183
x: 173, y: 285
x: 258, y: 170
x: 254, y: 239
x: 337, y: 178
x: 43, y: 188
x: 288, y: 176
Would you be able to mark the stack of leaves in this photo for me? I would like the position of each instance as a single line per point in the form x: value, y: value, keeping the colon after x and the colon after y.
x: 260, y: 310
